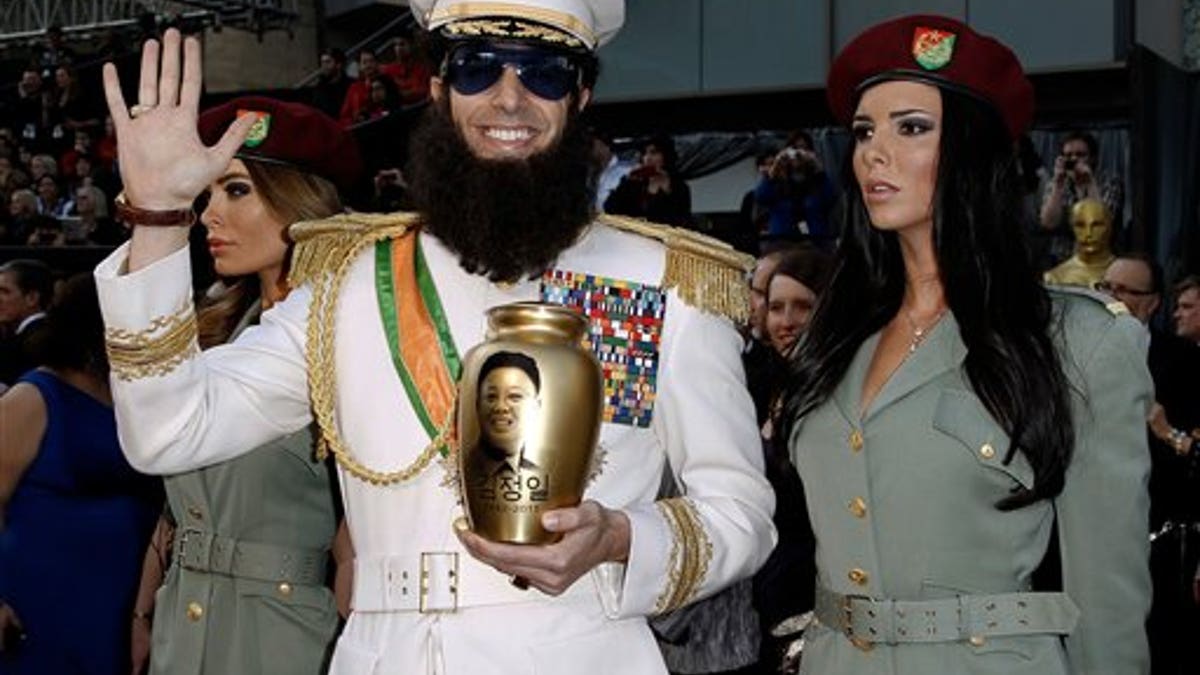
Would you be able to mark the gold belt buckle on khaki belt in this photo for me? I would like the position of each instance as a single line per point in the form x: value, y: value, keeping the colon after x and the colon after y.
x: 205, y: 551
x: 866, y: 621
x: 847, y: 615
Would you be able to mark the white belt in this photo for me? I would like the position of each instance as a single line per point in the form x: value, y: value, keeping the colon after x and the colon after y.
x: 437, y: 581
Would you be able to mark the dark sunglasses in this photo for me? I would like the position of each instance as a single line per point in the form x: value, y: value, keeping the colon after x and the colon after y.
x: 547, y: 75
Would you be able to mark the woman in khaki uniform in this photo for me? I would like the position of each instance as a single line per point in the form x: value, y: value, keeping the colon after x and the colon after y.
x: 247, y: 591
x: 947, y: 410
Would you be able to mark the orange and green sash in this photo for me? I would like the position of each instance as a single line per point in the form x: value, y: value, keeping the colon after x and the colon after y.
x: 418, y: 335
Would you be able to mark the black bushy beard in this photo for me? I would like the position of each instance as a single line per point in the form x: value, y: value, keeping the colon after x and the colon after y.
x: 506, y: 219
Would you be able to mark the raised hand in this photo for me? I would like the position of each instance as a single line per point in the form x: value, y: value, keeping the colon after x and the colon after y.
x: 1060, y: 170
x: 164, y: 165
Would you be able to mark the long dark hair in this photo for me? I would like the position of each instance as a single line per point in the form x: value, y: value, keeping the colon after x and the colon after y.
x: 1003, y: 312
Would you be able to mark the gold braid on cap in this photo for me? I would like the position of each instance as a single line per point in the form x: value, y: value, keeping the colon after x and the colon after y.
x: 466, y: 12
x: 707, y: 273
x: 691, y: 552
x: 155, y: 351
x: 511, y: 29
x: 323, y: 254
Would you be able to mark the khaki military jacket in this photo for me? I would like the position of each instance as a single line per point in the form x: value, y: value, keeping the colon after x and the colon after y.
x: 902, y: 501
x: 262, y: 606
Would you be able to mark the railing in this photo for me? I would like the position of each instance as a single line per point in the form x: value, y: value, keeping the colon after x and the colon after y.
x: 26, y: 21
x: 403, y: 23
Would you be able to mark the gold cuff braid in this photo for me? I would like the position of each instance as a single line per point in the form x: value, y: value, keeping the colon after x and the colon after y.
x: 155, y: 351
x: 691, y: 552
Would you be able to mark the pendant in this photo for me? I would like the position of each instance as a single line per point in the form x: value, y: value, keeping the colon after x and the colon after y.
x: 917, y: 338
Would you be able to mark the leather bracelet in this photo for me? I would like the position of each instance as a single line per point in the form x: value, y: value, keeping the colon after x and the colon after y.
x: 128, y: 213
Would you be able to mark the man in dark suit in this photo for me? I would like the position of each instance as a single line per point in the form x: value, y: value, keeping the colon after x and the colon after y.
x: 26, y: 287
x: 1137, y: 281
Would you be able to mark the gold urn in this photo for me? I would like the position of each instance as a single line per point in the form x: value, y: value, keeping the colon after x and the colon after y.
x: 529, y: 411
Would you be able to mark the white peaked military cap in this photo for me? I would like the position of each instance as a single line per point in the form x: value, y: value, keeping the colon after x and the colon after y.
x: 572, y: 24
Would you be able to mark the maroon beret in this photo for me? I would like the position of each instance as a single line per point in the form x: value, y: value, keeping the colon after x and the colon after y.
x: 290, y: 134
x: 935, y: 49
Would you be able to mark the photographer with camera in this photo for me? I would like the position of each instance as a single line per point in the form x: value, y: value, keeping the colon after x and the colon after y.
x: 796, y: 193
x: 1075, y: 178
x: 654, y: 190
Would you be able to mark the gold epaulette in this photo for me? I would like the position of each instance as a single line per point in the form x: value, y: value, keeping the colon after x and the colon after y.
x: 322, y: 256
x: 707, y: 273
x: 1114, y: 307
x: 322, y: 244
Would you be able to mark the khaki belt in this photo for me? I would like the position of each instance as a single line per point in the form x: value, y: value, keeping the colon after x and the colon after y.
x: 204, y: 551
x: 867, y: 621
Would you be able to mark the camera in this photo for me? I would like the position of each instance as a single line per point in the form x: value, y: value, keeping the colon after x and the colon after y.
x: 1069, y: 164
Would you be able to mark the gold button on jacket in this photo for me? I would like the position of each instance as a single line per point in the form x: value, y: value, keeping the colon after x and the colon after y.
x: 195, y: 611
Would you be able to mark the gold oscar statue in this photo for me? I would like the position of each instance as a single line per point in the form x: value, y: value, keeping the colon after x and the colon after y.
x: 529, y: 410
x: 1092, y: 224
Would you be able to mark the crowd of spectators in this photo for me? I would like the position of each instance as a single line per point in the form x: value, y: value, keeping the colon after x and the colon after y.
x: 387, y: 81
x: 58, y: 173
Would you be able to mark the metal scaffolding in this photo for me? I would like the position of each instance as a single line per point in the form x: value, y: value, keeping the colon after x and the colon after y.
x: 24, y: 21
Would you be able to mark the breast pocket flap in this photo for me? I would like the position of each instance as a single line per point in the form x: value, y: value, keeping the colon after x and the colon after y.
x: 962, y: 416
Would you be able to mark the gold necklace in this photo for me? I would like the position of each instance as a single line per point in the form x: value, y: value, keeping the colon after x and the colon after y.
x: 919, y: 333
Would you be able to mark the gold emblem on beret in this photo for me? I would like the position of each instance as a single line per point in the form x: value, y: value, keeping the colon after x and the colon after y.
x: 933, y: 48
x: 260, y: 130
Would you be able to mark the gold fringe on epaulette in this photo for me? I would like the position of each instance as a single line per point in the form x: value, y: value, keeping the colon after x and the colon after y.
x: 706, y: 273
x: 321, y: 244
x: 321, y: 258
x: 708, y: 285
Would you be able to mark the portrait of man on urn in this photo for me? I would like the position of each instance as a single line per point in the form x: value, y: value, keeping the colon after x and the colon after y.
x: 508, y: 407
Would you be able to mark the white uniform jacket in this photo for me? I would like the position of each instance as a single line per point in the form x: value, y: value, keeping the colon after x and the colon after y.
x: 186, y: 409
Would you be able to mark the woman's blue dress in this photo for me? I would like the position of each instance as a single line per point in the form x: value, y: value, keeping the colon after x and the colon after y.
x: 74, y: 537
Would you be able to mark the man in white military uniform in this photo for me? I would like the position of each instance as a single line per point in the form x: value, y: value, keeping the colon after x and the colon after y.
x: 503, y: 215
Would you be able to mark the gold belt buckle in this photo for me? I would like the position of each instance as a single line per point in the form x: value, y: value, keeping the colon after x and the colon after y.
x: 428, y: 562
x: 861, y: 643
